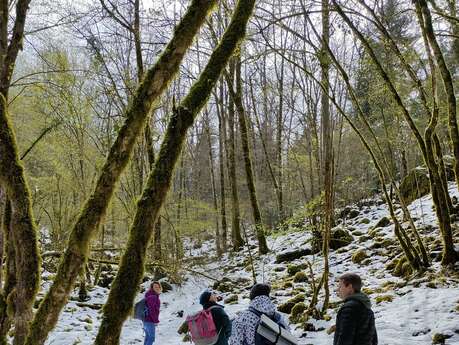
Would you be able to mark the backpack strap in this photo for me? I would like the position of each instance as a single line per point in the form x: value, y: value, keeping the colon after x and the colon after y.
x: 259, y: 314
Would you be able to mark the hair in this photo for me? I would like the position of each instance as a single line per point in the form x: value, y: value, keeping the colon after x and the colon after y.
x: 156, y: 283
x: 259, y: 290
x: 352, y: 279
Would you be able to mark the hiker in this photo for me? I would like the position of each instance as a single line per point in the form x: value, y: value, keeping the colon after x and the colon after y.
x: 152, y: 304
x: 246, y: 323
x: 208, y: 300
x: 355, y: 321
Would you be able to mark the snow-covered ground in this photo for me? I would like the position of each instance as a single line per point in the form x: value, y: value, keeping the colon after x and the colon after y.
x: 419, y: 308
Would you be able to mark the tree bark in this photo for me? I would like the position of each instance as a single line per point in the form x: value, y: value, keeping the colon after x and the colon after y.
x: 130, y: 274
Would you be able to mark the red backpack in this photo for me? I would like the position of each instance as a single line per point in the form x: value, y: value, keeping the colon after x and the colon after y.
x: 202, y: 327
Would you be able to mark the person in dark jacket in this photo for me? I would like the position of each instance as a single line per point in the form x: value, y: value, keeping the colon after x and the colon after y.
x: 355, y: 321
x: 222, y: 322
x: 153, y: 304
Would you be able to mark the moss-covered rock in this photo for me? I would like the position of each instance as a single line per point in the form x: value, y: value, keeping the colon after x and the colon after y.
x: 293, y: 269
x: 384, y: 298
x: 439, y: 338
x: 232, y: 299
x: 340, y: 238
x: 358, y: 256
x: 290, y: 303
x: 364, y: 221
x: 383, y: 222
x: 415, y: 185
x: 297, y: 312
x: 402, y: 268
x: 292, y: 255
x: 300, y: 277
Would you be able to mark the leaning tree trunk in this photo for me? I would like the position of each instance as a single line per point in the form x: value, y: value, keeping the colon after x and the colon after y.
x: 237, y: 98
x: 130, y: 274
x: 152, y: 86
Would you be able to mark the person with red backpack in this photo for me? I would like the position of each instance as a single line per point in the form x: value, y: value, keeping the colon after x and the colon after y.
x: 211, y: 326
x: 152, y: 306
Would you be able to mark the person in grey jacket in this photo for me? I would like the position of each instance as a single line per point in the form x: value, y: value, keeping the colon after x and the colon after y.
x: 245, y: 324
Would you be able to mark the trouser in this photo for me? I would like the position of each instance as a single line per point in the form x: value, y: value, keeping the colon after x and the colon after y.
x: 149, y: 328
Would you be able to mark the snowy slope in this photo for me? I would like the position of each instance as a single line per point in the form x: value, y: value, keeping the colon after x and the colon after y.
x: 418, y: 310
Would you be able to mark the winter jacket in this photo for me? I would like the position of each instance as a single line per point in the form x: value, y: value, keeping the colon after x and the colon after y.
x: 245, y: 325
x: 355, y: 322
x: 153, y: 304
x: 222, y: 322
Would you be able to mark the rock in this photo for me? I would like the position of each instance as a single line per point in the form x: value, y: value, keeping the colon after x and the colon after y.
x: 166, y: 286
x: 415, y: 185
x: 439, y: 338
x: 224, y: 285
x: 300, y: 277
x: 358, y: 256
x: 293, y: 255
x: 340, y: 238
x: 279, y: 269
x: 297, y: 311
x: 353, y: 213
x: 384, y: 298
x: 364, y: 221
x: 383, y: 222
x: 293, y: 269
x: 232, y: 299
x: 290, y: 303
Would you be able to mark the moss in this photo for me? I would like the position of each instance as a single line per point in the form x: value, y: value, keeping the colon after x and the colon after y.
x: 439, y: 338
x: 340, y: 238
x: 384, y: 298
x: 290, y: 303
x: 415, y: 185
x: 364, y: 221
x: 368, y: 291
x: 297, y: 311
x: 293, y: 269
x: 232, y: 299
x: 287, y: 285
x: 300, y: 277
x: 359, y: 256
x: 383, y: 222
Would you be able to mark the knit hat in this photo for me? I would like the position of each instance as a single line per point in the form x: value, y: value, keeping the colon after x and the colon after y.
x: 259, y: 290
x: 204, y: 298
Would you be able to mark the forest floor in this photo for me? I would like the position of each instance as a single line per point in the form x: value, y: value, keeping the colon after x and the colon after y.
x: 407, y: 311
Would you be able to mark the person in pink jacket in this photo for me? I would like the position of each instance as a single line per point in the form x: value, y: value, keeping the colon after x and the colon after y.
x: 152, y: 315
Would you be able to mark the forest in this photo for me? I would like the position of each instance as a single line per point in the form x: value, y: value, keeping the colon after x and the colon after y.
x: 226, y: 143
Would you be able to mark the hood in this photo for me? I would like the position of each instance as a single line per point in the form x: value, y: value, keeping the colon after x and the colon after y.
x: 263, y: 304
x: 361, y: 297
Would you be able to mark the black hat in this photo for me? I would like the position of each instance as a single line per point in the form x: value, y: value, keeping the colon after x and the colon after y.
x: 259, y: 290
x: 204, y: 298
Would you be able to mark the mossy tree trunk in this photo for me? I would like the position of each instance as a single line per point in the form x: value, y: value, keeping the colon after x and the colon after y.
x: 221, y: 155
x: 12, y: 179
x: 327, y: 138
x: 243, y: 128
x: 231, y: 156
x: 425, y: 21
x: 6, y: 295
x: 23, y: 226
x: 153, y: 84
x: 130, y: 274
x: 214, y: 188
